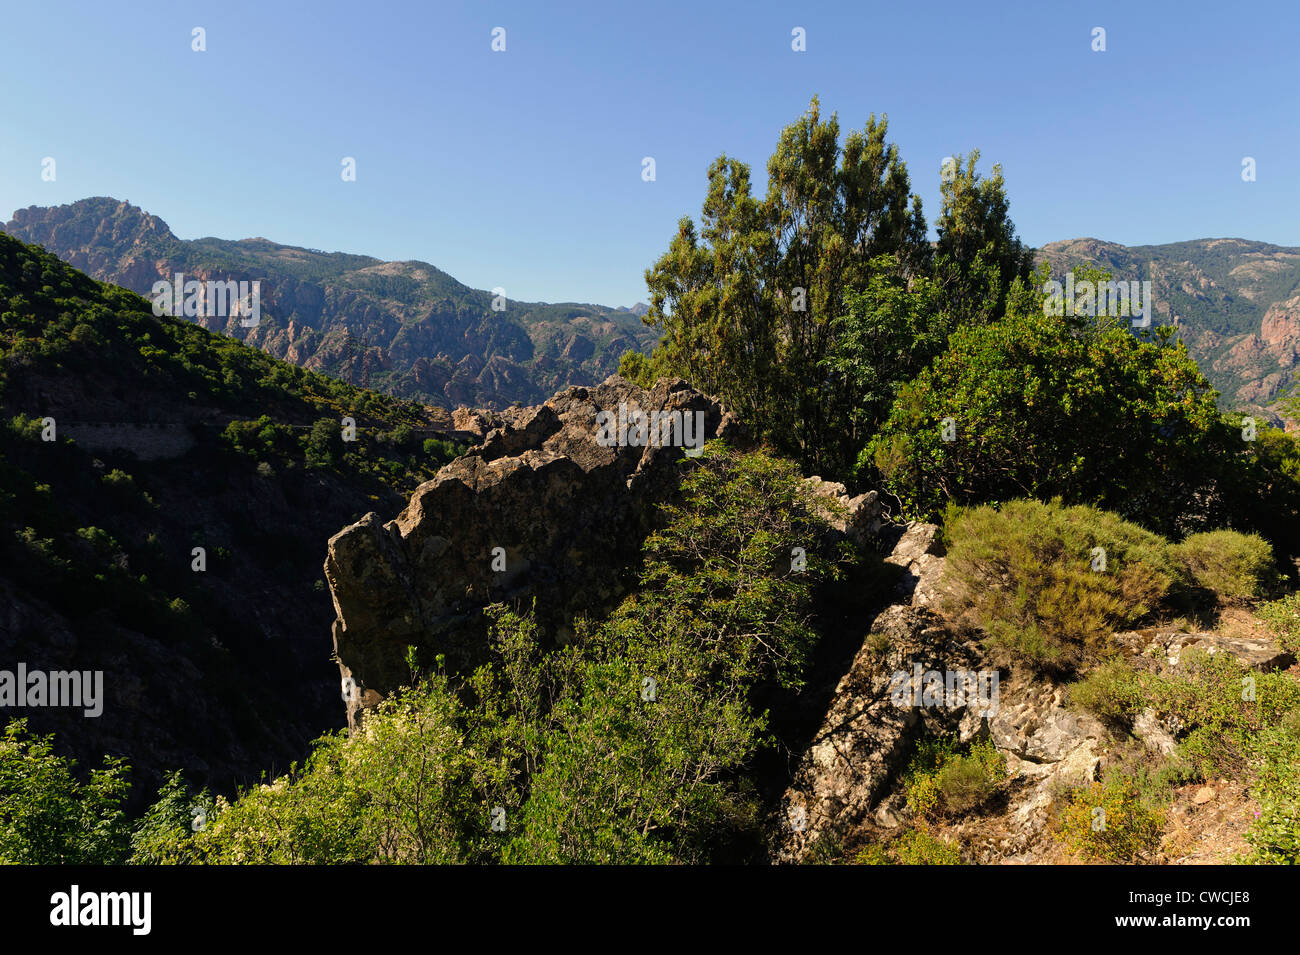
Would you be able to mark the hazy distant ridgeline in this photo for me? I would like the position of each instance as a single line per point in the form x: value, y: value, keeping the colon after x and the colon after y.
x: 402, y: 327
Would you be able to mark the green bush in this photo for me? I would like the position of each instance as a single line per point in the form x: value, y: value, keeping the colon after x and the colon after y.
x: 1113, y: 692
x: 25, y: 427
x: 1274, y: 836
x: 1283, y: 618
x: 1025, y: 574
x: 163, y: 835
x: 916, y: 847
x: 324, y: 443
x: 402, y: 788
x: 1231, y: 565
x: 117, y: 478
x: 945, y: 777
x: 913, y: 847
x: 1237, y: 724
x: 48, y: 817
x: 1111, y: 822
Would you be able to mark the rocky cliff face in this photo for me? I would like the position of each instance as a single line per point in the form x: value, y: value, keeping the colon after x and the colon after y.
x: 1265, y: 359
x: 542, y: 510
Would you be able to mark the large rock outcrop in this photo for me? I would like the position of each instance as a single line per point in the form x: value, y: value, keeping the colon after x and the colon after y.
x: 868, y: 730
x: 541, y: 510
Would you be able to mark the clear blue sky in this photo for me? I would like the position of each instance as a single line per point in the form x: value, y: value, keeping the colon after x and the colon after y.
x: 523, y: 169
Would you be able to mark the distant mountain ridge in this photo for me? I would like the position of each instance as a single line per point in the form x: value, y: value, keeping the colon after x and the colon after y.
x: 412, y: 330
x: 407, y: 328
x: 1236, y: 304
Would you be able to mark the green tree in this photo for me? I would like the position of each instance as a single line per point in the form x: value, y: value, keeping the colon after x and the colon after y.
x: 162, y: 836
x: 1036, y: 405
x: 747, y: 302
x: 978, y: 255
x: 324, y: 445
x: 888, y: 333
x: 47, y: 817
x: 649, y: 750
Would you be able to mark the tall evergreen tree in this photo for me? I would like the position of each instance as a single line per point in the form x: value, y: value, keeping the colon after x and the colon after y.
x: 747, y: 303
x: 978, y: 255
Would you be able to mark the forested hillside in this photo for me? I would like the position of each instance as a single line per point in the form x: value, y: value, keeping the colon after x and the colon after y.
x: 128, y: 442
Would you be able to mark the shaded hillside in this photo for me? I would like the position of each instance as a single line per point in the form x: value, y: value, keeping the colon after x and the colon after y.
x: 406, y: 328
x: 170, y: 438
x: 1236, y: 304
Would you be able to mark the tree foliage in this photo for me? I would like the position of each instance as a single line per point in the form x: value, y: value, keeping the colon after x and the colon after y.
x: 781, y: 305
x: 1037, y: 405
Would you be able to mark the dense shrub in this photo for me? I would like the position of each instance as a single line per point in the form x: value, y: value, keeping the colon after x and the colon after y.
x: 945, y: 777
x: 1274, y: 836
x: 1112, y: 692
x: 48, y: 817
x: 1229, y: 564
x: 1111, y: 822
x: 401, y: 789
x: 913, y: 847
x: 1031, y: 575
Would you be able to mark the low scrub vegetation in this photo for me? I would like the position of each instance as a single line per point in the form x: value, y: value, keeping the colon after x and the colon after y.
x: 1049, y: 584
x: 1232, y: 723
x: 1283, y: 618
x: 946, y: 778
x: 1230, y: 565
x: 1110, y: 821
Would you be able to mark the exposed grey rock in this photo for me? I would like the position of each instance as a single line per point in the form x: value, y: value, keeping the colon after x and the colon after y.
x: 567, y: 513
x: 1034, y: 725
x: 1153, y: 733
x: 857, y: 518
x: 1167, y: 646
x: 865, y: 735
x: 920, y: 554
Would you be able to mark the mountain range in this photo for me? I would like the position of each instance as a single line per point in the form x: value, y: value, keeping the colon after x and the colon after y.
x: 413, y: 331
x: 405, y: 328
x: 1235, y: 303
